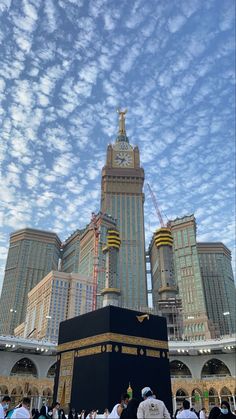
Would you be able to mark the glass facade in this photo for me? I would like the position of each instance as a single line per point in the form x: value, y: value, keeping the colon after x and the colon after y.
x: 128, y: 211
x: 32, y: 254
x: 122, y: 197
x: 219, y: 286
x: 189, y: 279
x: 71, y: 252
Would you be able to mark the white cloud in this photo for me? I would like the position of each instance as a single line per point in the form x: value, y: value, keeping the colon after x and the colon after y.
x: 51, y: 16
x: 5, y: 5
x: 176, y: 22
x: 67, y: 65
x: 227, y: 18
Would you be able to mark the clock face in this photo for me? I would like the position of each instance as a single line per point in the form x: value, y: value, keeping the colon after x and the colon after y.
x: 123, y: 159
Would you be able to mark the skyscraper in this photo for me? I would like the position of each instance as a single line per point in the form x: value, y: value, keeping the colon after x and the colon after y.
x: 161, y: 258
x: 164, y: 288
x: 189, y: 279
x: 31, y: 255
x: 70, y: 252
x: 57, y: 297
x: 122, y: 197
x: 92, y: 261
x: 219, y: 286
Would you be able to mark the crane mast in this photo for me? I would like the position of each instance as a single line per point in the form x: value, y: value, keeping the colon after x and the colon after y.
x: 95, y: 265
x: 156, y: 206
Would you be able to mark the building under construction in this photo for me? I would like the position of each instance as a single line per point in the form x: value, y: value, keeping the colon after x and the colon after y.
x: 92, y: 261
x: 164, y: 289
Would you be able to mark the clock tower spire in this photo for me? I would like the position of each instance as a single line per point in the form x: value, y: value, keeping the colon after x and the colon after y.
x: 122, y: 131
x: 122, y: 197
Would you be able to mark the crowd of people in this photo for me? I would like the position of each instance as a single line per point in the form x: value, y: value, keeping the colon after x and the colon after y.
x: 216, y: 412
x: 127, y: 408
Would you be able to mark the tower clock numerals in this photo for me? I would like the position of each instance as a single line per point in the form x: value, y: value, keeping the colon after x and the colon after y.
x: 123, y: 159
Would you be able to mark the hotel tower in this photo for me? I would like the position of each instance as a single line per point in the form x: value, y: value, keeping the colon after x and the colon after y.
x: 122, y: 197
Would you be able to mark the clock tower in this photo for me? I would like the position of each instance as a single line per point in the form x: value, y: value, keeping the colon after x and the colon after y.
x: 122, y: 197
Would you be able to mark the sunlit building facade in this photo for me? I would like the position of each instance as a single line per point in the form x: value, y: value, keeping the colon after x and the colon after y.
x: 189, y: 280
x: 122, y: 196
x: 58, y: 297
x: 31, y: 255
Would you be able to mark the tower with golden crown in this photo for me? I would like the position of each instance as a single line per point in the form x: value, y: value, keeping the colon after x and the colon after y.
x: 122, y: 197
x: 111, y: 292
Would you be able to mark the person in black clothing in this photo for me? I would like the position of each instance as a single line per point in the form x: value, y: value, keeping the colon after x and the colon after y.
x: 44, y: 411
x: 35, y: 413
x: 61, y: 414
x: 131, y: 410
x: 226, y: 411
x: 214, y: 413
x: 73, y: 414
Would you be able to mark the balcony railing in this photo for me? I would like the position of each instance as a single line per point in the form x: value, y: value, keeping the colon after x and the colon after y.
x: 213, y: 376
x: 19, y: 374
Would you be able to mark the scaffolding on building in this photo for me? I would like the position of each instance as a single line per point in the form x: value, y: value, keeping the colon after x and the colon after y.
x: 171, y: 309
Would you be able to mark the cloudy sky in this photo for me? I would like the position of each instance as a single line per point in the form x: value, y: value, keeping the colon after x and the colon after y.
x: 66, y: 65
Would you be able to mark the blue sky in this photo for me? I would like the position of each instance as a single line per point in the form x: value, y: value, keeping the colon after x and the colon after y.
x: 66, y: 65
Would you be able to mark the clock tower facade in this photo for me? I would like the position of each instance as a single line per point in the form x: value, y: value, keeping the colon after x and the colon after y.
x: 122, y: 197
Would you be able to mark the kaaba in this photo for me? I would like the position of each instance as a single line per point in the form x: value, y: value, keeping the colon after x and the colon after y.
x: 102, y: 352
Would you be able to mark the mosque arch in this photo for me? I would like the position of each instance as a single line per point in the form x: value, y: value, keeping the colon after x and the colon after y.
x: 16, y: 395
x: 33, y: 393
x: 181, y: 394
x: 47, y: 396
x: 225, y: 394
x: 179, y: 370
x: 197, y: 390
x: 3, y: 390
x: 18, y: 390
x: 24, y: 367
x: 214, y: 399
x: 52, y: 371
x: 47, y: 392
x: 196, y: 398
x: 215, y: 367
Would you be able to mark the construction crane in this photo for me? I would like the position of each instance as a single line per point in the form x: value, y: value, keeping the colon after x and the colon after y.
x: 95, y: 226
x: 156, y: 206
